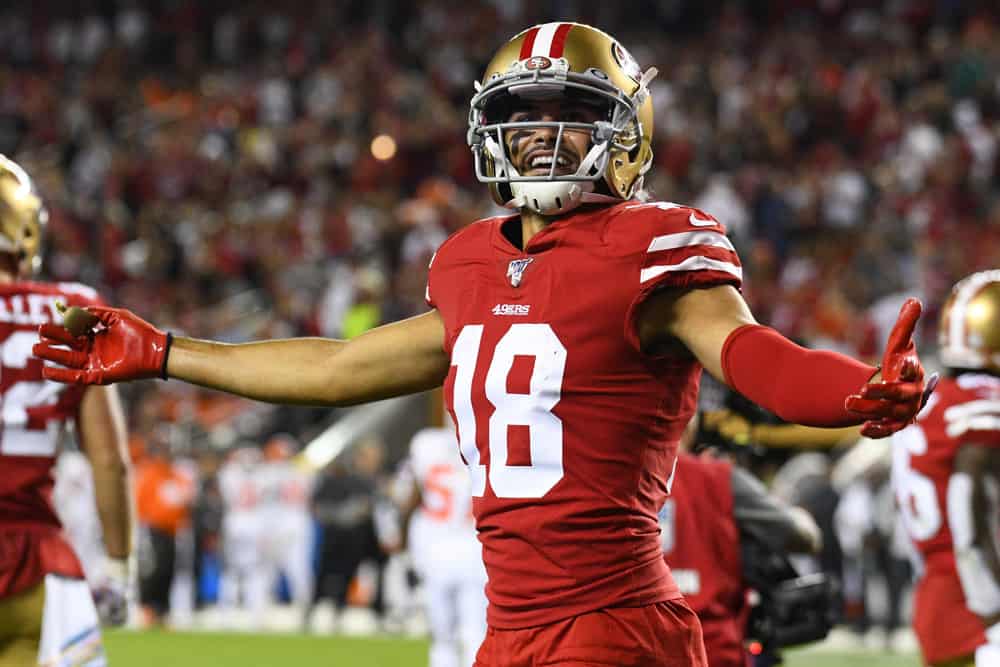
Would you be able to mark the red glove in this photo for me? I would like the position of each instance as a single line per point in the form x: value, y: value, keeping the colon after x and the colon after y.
x: 122, y: 347
x: 893, y: 403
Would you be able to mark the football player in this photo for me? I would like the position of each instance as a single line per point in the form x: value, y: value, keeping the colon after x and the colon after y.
x: 569, y: 336
x: 246, y: 580
x: 441, y: 538
x: 286, y: 544
x: 944, y: 472
x: 47, y: 609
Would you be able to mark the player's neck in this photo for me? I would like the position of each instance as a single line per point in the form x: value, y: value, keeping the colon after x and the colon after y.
x: 531, y: 224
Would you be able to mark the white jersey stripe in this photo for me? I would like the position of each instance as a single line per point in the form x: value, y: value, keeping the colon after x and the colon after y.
x: 981, y: 423
x: 972, y: 408
x: 543, y: 40
x: 691, y: 264
x: 682, y: 239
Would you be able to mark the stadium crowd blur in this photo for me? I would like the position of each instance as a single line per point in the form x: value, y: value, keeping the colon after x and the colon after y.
x: 240, y: 170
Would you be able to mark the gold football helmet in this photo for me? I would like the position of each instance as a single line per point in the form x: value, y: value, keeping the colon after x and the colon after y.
x: 564, y: 60
x: 22, y: 217
x: 969, y: 334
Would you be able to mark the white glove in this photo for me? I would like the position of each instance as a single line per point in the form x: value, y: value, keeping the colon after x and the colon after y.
x: 113, y: 594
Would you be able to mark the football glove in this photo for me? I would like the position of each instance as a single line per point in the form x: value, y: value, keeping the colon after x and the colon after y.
x: 893, y: 402
x: 113, y: 595
x: 123, y: 346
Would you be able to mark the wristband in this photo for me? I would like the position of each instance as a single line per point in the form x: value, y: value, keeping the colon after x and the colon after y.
x: 117, y: 569
x: 166, y: 355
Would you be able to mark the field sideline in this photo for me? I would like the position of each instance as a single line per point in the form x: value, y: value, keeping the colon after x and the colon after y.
x: 203, y: 649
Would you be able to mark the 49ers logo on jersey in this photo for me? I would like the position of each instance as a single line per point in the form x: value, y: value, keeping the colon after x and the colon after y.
x: 511, y: 309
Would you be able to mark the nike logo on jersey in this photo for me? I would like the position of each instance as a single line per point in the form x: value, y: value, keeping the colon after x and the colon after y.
x: 698, y: 222
x: 511, y: 309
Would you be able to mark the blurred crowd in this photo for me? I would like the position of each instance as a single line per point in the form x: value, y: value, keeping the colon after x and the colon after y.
x: 237, y: 170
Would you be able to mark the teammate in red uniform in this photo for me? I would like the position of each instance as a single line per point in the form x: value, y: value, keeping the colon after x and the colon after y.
x: 47, y: 615
x: 570, y: 337
x: 945, y: 469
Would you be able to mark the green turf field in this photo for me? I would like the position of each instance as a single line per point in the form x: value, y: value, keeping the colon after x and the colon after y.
x: 189, y: 649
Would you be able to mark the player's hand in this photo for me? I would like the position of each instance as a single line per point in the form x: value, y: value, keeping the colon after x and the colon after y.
x: 122, y: 346
x: 112, y: 595
x: 893, y: 402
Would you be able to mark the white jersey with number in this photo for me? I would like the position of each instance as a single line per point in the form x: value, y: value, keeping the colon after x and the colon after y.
x: 442, y: 532
x: 242, y: 525
x: 445, y: 550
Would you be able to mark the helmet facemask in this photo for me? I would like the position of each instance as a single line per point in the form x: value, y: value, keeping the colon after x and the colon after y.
x: 538, y: 79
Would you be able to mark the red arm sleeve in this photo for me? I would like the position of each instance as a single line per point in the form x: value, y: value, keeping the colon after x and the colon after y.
x: 799, y: 385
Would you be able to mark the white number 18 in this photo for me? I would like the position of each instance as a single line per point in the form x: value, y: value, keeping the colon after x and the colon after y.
x: 533, y: 410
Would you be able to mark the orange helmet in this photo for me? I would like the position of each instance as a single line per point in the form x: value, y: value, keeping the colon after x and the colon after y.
x: 572, y: 61
x: 969, y: 334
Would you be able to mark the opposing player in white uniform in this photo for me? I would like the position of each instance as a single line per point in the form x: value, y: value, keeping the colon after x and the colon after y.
x: 441, y: 538
x: 286, y: 538
x: 244, y: 582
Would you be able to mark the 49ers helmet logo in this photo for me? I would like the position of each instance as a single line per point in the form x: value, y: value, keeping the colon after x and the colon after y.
x: 538, y: 62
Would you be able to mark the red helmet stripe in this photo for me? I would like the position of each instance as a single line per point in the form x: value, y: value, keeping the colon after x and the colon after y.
x: 559, y: 40
x: 528, y: 44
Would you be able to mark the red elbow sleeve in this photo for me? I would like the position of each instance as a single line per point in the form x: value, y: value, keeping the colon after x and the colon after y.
x: 799, y: 385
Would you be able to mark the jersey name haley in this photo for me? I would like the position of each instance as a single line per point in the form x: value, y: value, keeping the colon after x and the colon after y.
x: 569, y: 430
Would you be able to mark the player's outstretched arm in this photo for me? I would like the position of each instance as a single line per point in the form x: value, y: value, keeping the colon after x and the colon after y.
x: 810, y: 387
x: 392, y: 360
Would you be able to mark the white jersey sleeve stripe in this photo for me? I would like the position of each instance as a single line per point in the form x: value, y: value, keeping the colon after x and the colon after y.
x: 972, y: 408
x: 958, y: 427
x: 691, y: 264
x: 683, y: 239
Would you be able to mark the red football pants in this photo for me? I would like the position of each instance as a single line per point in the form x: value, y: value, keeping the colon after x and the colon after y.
x: 944, y: 626
x: 666, y: 634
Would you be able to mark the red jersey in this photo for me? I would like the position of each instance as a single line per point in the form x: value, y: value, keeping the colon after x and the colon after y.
x: 569, y: 430
x: 961, y: 411
x: 32, y: 411
x: 701, y: 543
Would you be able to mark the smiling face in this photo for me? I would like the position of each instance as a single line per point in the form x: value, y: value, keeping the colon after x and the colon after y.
x: 532, y: 149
